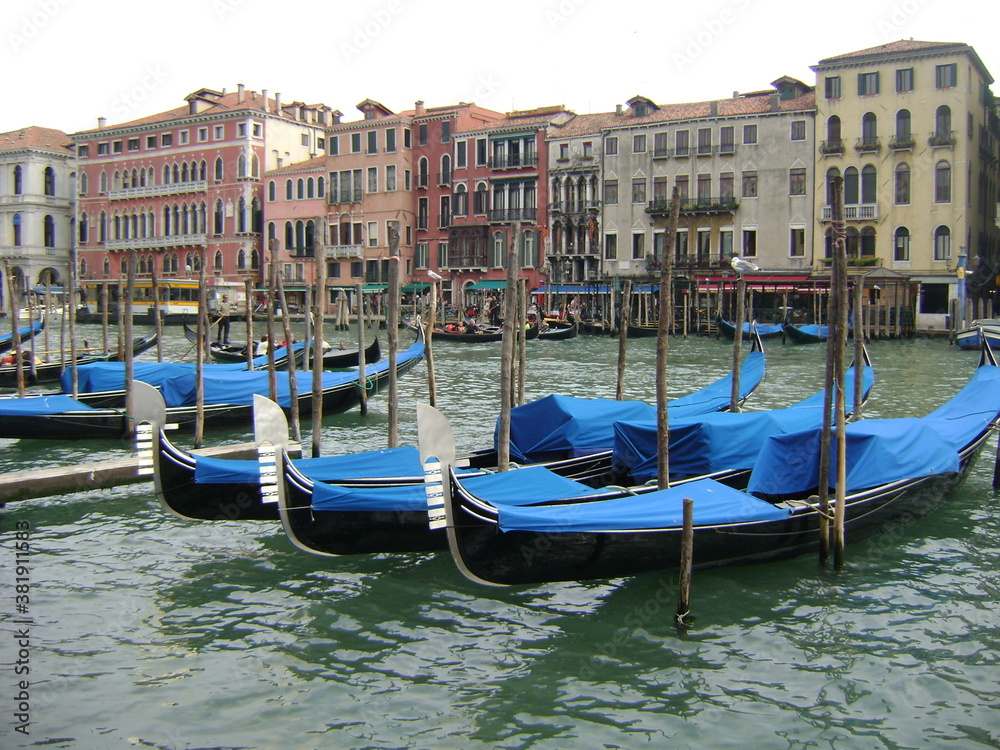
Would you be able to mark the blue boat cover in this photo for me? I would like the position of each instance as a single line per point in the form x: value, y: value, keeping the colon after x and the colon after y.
x: 559, y: 426
x: 229, y: 384
x: 719, y: 441
x: 714, y: 504
x: 764, y: 329
x: 35, y: 327
x: 813, y: 329
x: 39, y: 405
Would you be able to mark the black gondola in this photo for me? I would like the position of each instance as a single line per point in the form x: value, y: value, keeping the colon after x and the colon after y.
x: 51, y: 372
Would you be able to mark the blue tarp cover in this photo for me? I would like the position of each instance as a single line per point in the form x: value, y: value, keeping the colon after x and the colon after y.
x: 715, y: 442
x: 390, y: 462
x: 564, y: 426
x: 714, y: 503
x: 35, y: 405
x: 22, y: 332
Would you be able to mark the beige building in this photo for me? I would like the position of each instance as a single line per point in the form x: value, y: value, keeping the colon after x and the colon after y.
x: 912, y: 128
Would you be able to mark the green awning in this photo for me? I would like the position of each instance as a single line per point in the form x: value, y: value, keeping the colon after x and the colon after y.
x: 488, y: 285
x: 416, y: 286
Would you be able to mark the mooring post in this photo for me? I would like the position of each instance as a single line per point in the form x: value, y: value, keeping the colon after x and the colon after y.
x: 687, y: 559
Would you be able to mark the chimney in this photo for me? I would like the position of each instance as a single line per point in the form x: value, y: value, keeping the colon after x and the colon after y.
x: 102, y: 122
x: 618, y: 110
x: 277, y: 102
x: 775, y: 101
x: 736, y: 95
x: 336, y: 115
x: 263, y: 96
x: 713, y: 109
x: 239, y: 93
x: 419, y: 107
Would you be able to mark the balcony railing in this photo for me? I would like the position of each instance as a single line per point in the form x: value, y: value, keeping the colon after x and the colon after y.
x: 444, y: 220
x: 942, y: 139
x: 704, y: 205
x: 901, y: 142
x: 422, y: 180
x: 868, y: 145
x: 444, y: 178
x: 151, y: 243
x: 833, y: 146
x: 514, y: 161
x: 155, y: 191
x: 513, y: 214
x: 345, y: 251
x: 854, y: 212
x: 422, y: 222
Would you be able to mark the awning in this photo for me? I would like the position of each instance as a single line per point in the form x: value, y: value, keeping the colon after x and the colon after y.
x: 488, y: 285
x: 572, y: 289
x: 416, y: 286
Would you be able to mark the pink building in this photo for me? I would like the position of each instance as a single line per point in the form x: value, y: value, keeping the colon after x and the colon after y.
x: 185, y: 186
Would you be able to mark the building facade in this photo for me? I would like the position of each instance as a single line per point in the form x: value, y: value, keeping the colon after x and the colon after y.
x: 912, y: 129
x: 37, y: 190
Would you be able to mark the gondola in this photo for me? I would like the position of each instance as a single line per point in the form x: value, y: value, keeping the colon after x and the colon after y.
x: 51, y: 372
x: 484, y: 335
x: 637, y: 331
x: 228, y: 401
x: 208, y: 488
x: 973, y: 336
x: 528, y: 527
x: 26, y: 332
x: 558, y: 331
x: 233, y: 353
x: 765, y: 331
x: 805, y: 334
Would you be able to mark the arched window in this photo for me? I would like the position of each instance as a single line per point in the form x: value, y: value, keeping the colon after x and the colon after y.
x: 185, y: 175
x: 50, y: 181
x: 310, y: 237
x: 241, y: 166
x: 241, y: 215
x: 102, y: 228
x: 289, y: 190
x: 255, y: 166
x: 83, y: 267
x: 255, y: 259
x: 481, y: 203
x: 904, y: 131
x: 461, y: 202
x: 320, y: 187
x: 289, y: 236
x: 103, y: 182
x: 869, y: 129
x: 241, y: 260
x: 84, y: 229
x: 445, y: 170
x: 310, y: 188
x: 193, y: 262
x: 271, y: 191
x: 942, y: 243
x: 203, y: 170
x: 202, y: 218
x: 256, y: 216
x: 850, y: 186
x: 901, y: 244
x: 18, y: 180
x: 116, y: 181
x: 219, y: 171
x: 175, y: 174
x: 902, y: 184
x: 867, y: 242
x: 300, y: 192
x: 300, y: 236
x: 16, y: 224
x: 218, y: 219
x: 852, y: 241
x: 833, y: 131
x: 869, y: 186
x: 942, y: 122
x: 557, y: 196
x: 84, y: 183
x: 422, y: 172
x: 218, y: 260
x: 942, y: 182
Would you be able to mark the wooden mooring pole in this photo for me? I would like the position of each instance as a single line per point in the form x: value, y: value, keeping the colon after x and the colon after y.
x: 686, y: 564
x: 626, y: 315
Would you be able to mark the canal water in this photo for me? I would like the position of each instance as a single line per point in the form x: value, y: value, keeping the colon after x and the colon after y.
x: 153, y: 632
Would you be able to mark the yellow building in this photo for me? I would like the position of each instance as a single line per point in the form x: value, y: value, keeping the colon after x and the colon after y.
x: 912, y: 128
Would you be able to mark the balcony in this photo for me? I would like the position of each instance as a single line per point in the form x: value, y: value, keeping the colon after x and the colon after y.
x: 444, y: 179
x: 705, y: 149
x: 689, y: 206
x: 158, y: 191
x: 942, y: 139
x: 498, y: 215
x: 901, y: 143
x: 868, y: 145
x: 833, y: 146
x: 682, y: 152
x: 154, y: 243
x: 514, y: 161
x: 345, y: 251
x: 854, y: 212
x: 346, y: 196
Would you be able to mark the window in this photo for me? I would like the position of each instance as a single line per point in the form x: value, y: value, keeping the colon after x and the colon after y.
x: 202, y: 135
x: 726, y: 183
x: 681, y: 143
x: 271, y: 192
x: 659, y: 144
x: 50, y: 181
x: 638, y: 144
x: 904, y: 80
x: 18, y: 180
x: 83, y: 149
x: 372, y: 147
x: 639, y: 190
x: 445, y: 131
x: 16, y: 224
x: 304, y: 139
x: 851, y: 186
x: 133, y: 144
x: 869, y: 184
x: 218, y: 132
x: 333, y: 145
x: 150, y: 141
x: 867, y: 84
x: 749, y: 134
x: 407, y: 138
x: 482, y: 153
x: 611, y: 246
x: 942, y: 182
x: 798, y: 130
x: 904, y: 133
x: 750, y: 243
x: 611, y: 191
x: 355, y: 143
x: 946, y: 76
x: 902, y: 185
x: 660, y: 190
x: 407, y: 179
x: 611, y: 146
x: 704, y: 140
x: 682, y: 184
x: 185, y: 137
x: 372, y: 234
x: 797, y: 246
x: 167, y: 139
x: 749, y: 184
x: 563, y: 152
x: 102, y: 149
x: 831, y: 87
x: 481, y: 199
x: 797, y: 181
x: 942, y: 243
x: 588, y: 150
x: 704, y: 188
x: 869, y: 129
x: 372, y: 179
x: 84, y: 183
x: 116, y: 147
x: 638, y: 246
x: 422, y: 134
x: 725, y: 243
x: 942, y: 122
x: 901, y: 244
x: 390, y: 141
x: 390, y: 178
x: 727, y: 139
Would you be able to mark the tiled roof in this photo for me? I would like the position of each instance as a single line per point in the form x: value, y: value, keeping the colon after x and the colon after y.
x: 48, y: 139
x: 892, y: 48
x: 309, y: 165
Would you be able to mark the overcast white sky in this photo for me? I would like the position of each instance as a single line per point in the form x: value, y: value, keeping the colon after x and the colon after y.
x: 64, y: 63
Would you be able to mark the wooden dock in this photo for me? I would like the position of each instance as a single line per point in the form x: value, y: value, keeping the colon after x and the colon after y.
x: 26, y: 485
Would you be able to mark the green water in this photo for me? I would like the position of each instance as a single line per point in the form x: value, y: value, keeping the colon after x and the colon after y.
x: 150, y: 631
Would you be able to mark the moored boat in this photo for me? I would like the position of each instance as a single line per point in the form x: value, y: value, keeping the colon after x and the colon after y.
x: 973, y: 336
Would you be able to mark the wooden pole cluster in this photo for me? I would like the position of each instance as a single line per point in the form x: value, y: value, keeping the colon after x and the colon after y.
x: 319, y: 308
x: 666, y: 301
x: 510, y: 318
